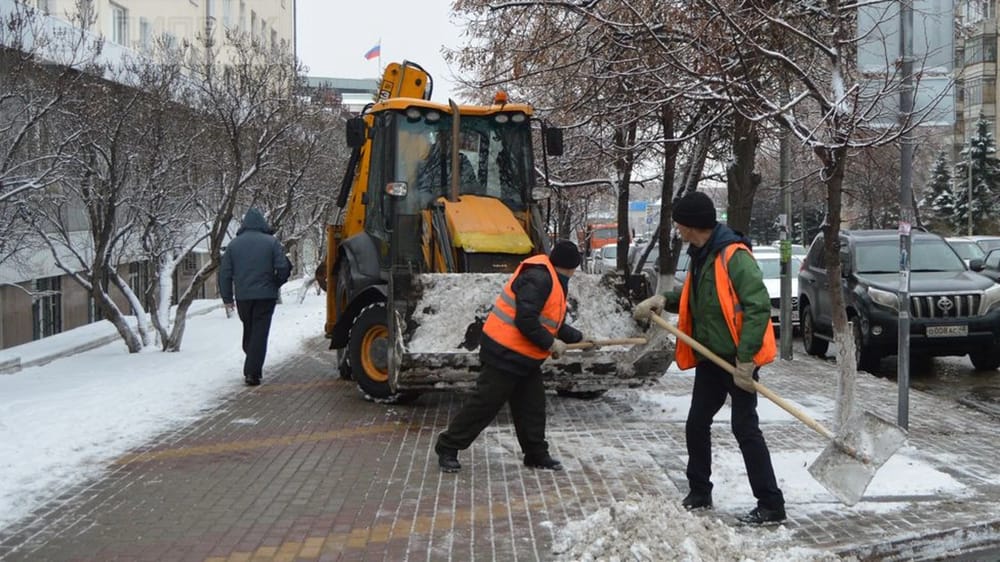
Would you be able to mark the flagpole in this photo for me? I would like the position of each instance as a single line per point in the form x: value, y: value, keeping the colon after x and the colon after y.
x: 380, y: 55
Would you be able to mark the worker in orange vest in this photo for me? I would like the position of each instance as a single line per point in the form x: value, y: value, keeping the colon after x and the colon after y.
x: 526, y: 326
x: 725, y: 306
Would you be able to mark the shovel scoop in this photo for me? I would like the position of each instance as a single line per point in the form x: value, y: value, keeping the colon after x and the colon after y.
x: 850, y: 460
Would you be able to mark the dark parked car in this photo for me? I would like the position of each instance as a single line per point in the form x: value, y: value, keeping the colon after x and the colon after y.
x: 991, y: 265
x: 953, y: 311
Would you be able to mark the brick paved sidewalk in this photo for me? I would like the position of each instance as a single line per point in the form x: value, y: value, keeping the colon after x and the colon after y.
x: 301, y: 468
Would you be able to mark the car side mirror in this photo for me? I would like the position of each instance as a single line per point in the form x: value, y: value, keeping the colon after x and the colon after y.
x: 977, y: 264
x: 845, y: 263
x: 553, y: 141
x: 356, y: 132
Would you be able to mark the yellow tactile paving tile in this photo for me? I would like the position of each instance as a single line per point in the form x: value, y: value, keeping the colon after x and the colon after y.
x: 382, y: 533
x: 238, y: 446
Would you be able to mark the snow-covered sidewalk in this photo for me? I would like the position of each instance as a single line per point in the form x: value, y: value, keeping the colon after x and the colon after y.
x: 62, y: 422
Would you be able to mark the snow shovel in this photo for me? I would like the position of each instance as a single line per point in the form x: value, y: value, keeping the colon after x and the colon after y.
x: 849, y: 462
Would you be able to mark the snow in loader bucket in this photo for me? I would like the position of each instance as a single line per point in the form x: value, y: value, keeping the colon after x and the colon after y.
x: 444, y: 316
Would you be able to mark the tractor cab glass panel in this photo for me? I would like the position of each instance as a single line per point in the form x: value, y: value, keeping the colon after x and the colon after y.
x: 494, y: 160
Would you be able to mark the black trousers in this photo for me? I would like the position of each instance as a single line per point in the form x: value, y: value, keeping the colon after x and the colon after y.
x: 526, y: 396
x: 711, y: 385
x: 256, y: 317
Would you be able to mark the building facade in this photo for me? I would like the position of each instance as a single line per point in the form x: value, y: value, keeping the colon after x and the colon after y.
x: 37, y: 299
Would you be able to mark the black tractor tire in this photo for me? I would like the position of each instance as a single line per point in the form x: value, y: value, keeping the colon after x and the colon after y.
x: 866, y: 359
x: 581, y: 394
x: 368, y: 352
x: 807, y: 325
x: 986, y: 360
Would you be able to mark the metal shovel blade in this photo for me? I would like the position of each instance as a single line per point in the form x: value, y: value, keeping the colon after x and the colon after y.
x: 848, y: 464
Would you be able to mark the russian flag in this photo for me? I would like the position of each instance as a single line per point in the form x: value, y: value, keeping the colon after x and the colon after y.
x: 374, y: 52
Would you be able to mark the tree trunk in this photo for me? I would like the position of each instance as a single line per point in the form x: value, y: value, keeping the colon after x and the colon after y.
x: 624, y: 140
x: 835, y: 162
x: 741, y: 180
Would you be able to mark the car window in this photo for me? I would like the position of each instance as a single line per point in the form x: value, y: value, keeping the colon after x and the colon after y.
x: 882, y: 256
x: 967, y: 249
x: 610, y: 251
x: 989, y: 244
x: 993, y: 260
x: 770, y: 266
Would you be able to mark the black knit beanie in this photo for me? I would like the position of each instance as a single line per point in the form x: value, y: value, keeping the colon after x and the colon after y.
x: 695, y: 210
x: 564, y: 254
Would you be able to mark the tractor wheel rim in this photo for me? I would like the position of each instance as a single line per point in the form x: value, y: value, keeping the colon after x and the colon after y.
x: 374, y: 353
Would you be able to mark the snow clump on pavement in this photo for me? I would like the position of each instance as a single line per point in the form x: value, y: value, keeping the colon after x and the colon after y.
x: 653, y: 528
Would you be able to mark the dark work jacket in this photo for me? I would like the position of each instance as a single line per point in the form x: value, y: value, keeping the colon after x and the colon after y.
x: 531, y: 289
x: 254, y: 264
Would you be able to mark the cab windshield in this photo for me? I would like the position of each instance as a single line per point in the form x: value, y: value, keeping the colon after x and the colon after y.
x: 494, y: 159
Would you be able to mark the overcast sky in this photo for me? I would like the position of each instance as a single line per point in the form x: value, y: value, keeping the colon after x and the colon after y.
x: 334, y: 36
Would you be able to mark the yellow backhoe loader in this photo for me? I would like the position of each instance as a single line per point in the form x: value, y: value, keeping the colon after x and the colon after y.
x: 437, y: 208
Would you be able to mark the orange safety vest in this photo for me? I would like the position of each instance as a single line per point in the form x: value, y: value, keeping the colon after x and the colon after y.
x: 683, y: 354
x: 500, y: 323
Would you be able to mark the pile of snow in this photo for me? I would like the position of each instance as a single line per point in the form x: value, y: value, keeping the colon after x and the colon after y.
x: 450, y: 303
x: 654, y: 528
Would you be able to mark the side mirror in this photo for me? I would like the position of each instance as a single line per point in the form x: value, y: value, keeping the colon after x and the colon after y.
x: 356, y: 132
x: 977, y: 264
x: 845, y: 263
x: 553, y: 140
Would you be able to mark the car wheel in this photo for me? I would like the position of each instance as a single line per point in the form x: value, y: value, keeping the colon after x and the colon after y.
x: 368, y: 347
x: 986, y: 360
x: 814, y: 345
x: 866, y: 360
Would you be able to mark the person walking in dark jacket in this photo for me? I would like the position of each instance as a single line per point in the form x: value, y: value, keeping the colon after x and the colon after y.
x: 253, y: 267
x: 724, y: 305
x: 526, y: 326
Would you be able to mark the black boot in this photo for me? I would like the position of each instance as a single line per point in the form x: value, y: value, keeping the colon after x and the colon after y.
x: 763, y: 516
x: 697, y: 500
x: 251, y: 381
x: 543, y: 461
x: 447, y: 459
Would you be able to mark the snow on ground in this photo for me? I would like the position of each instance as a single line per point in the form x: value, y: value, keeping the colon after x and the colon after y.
x: 62, y: 423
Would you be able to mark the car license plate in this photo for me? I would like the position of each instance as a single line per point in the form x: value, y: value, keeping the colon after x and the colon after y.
x: 947, y: 331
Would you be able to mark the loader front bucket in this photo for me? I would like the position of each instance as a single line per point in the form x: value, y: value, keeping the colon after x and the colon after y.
x: 443, y: 318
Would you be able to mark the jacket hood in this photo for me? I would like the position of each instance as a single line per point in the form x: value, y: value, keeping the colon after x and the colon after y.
x: 254, y: 220
x: 722, y: 236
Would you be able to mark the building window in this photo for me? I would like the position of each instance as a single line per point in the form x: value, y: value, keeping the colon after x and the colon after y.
x: 138, y: 280
x: 243, y: 14
x: 981, y: 49
x: 274, y: 39
x: 119, y: 25
x: 190, y: 264
x: 145, y: 34
x: 253, y: 24
x: 46, y: 308
x: 227, y: 13
x: 979, y: 10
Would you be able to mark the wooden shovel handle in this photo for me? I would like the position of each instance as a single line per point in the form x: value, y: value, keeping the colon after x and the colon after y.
x: 767, y: 392
x: 620, y: 341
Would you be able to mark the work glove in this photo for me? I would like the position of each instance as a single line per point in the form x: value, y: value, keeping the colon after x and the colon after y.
x: 557, y: 348
x: 591, y: 345
x: 743, y: 375
x: 648, y: 307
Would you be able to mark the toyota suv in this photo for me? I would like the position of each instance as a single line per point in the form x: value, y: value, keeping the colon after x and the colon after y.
x: 953, y: 311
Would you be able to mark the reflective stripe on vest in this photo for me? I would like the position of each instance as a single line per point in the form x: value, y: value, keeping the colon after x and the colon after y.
x: 683, y: 354
x: 500, y: 322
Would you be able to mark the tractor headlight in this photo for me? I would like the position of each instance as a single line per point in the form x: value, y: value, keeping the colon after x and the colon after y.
x: 501, y: 118
x: 991, y: 299
x: 396, y: 188
x: 884, y: 298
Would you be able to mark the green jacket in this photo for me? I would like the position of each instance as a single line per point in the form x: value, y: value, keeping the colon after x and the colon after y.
x: 709, y: 325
